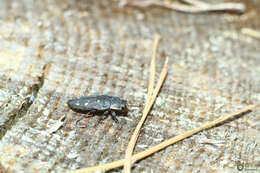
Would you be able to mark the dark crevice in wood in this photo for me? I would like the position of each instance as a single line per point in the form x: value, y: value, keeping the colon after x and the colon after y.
x: 23, y: 109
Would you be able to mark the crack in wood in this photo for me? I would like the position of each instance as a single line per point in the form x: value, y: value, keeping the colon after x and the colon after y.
x: 28, y: 101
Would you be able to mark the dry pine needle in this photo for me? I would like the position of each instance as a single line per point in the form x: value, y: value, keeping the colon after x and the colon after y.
x: 166, y: 143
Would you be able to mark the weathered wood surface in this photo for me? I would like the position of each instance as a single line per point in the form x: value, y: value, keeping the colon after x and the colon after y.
x: 51, y: 51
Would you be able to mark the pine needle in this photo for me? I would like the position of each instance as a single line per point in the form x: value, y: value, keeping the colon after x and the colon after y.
x: 135, y: 135
x: 251, y: 32
x: 152, y: 69
x: 129, y: 151
x: 166, y: 143
x: 188, y: 6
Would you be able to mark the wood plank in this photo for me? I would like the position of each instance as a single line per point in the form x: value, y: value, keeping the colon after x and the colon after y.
x: 51, y: 51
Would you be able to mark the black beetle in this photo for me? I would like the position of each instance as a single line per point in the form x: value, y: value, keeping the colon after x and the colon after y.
x: 99, y: 105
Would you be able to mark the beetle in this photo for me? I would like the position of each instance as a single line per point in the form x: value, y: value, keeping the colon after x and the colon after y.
x: 99, y: 105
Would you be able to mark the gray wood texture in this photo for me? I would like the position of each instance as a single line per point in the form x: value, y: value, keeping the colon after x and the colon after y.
x: 51, y: 51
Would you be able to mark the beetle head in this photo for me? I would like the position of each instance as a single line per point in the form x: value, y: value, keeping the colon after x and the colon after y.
x: 119, y: 106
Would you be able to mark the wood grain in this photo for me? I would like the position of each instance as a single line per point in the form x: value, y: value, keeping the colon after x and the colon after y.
x: 51, y: 51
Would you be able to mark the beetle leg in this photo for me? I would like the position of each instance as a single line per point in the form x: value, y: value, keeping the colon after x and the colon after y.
x: 78, y: 120
x: 105, y: 115
x: 82, y: 117
x: 113, y: 114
